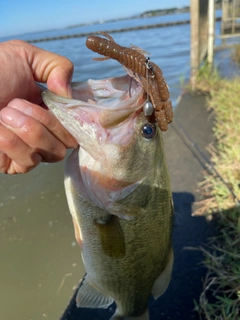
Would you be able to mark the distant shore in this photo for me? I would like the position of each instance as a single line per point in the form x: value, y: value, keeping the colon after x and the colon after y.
x: 146, y: 14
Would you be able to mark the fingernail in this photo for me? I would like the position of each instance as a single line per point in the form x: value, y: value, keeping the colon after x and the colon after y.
x: 12, y: 117
x: 65, y: 91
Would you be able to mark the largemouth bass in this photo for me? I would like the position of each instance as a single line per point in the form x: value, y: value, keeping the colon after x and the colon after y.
x: 119, y: 195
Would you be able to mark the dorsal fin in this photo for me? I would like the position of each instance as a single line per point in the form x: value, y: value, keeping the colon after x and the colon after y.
x: 162, y: 282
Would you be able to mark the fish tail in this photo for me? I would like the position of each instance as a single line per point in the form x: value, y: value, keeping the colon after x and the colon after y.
x: 144, y: 316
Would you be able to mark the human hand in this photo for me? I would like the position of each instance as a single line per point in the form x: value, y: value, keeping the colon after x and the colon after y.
x: 30, y: 134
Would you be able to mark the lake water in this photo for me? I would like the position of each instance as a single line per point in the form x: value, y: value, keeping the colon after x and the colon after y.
x: 169, y: 48
x: 40, y: 261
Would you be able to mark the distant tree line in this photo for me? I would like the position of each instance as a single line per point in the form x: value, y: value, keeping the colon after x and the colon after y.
x: 164, y: 11
x: 160, y: 12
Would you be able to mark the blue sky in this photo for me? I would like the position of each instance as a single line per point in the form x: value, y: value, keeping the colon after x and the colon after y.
x: 26, y: 16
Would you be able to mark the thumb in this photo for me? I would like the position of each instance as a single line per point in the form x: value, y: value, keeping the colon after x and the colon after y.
x: 50, y: 68
x: 59, y: 79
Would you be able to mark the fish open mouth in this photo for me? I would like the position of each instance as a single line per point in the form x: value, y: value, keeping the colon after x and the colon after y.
x: 97, y: 107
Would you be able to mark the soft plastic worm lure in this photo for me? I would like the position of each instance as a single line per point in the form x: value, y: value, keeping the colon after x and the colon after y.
x: 144, y: 71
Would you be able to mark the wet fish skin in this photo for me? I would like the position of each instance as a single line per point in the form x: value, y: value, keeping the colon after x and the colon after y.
x: 121, y: 204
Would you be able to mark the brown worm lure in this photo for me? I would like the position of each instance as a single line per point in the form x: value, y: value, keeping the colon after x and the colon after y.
x: 148, y: 73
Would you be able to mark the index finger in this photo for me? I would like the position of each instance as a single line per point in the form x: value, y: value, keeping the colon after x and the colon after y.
x: 46, y: 118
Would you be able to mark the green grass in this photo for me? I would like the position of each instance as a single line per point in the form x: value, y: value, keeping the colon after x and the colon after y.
x: 220, y: 298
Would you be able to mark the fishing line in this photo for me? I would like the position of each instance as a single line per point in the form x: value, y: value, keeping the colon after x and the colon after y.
x: 147, y: 68
x: 192, y: 145
x: 148, y: 107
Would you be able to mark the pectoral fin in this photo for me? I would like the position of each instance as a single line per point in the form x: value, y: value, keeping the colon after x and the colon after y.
x: 90, y: 297
x: 112, y: 237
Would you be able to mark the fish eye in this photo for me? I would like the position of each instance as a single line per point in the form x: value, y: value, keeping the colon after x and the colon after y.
x: 149, y: 130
